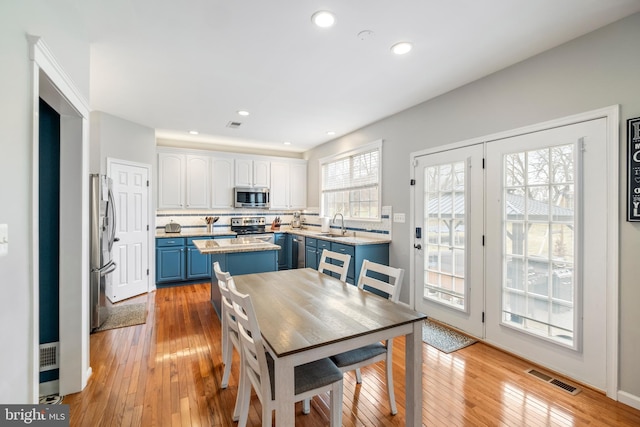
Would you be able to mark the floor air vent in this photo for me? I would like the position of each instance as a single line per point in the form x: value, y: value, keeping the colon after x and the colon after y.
x: 553, y: 381
x: 49, y: 356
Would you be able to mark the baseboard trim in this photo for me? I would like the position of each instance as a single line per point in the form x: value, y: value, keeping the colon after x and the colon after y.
x: 629, y: 399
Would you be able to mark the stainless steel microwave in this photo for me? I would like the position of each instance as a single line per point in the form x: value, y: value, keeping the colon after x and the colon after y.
x: 251, y: 197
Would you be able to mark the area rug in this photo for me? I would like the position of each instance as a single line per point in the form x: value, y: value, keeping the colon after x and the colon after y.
x: 125, y: 315
x: 444, y: 339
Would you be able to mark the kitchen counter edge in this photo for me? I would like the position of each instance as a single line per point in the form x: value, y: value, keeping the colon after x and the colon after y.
x: 347, y: 240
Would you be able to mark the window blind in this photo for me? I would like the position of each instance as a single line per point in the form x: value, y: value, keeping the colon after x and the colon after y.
x: 351, y: 185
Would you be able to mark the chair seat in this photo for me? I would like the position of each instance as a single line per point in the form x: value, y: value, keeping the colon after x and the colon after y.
x: 308, y: 376
x: 358, y: 355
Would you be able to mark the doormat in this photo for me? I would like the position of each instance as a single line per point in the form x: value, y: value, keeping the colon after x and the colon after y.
x: 125, y: 315
x: 444, y: 339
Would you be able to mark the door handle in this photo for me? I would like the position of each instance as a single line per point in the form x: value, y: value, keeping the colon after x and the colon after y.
x: 418, y: 246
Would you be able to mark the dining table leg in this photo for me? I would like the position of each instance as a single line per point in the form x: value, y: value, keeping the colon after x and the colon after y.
x: 285, y: 389
x: 413, y: 376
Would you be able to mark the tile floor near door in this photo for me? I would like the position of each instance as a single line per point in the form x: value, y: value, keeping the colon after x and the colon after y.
x: 167, y: 372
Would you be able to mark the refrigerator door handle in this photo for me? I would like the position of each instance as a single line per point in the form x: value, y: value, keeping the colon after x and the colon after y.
x: 112, y: 206
x: 106, y: 269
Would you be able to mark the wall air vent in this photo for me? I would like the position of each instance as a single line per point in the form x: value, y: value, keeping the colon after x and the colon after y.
x: 234, y: 125
x: 49, y: 354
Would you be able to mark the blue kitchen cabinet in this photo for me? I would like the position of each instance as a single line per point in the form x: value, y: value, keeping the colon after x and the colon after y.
x: 170, y: 260
x: 313, y: 251
x: 284, y: 254
x: 378, y: 253
x: 310, y: 256
x: 198, y: 265
x: 178, y: 260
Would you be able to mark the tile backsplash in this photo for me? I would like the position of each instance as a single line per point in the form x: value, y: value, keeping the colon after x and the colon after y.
x: 193, y: 220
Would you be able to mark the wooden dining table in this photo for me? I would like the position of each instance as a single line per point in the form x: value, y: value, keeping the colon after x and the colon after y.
x: 305, y: 315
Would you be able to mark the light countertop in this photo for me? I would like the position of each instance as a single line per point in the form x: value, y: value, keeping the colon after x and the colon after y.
x: 240, y: 244
x: 194, y: 233
x: 350, y: 238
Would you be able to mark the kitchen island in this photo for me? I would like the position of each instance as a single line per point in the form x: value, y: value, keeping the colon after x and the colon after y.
x: 242, y: 255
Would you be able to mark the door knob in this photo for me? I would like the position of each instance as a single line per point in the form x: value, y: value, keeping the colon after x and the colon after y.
x: 418, y: 246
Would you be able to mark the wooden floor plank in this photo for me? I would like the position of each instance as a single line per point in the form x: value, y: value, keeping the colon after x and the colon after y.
x: 168, y: 371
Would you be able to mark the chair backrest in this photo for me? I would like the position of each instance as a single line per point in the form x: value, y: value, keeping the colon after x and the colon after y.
x: 325, y: 265
x: 255, y: 358
x: 225, y: 283
x: 393, y: 275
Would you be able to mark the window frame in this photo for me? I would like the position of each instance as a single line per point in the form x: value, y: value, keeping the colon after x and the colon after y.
x: 370, y: 147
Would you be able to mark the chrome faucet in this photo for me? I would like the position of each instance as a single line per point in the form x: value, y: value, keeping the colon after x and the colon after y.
x: 333, y: 221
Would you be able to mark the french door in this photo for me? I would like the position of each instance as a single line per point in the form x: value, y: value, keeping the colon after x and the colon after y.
x: 546, y: 248
x: 449, y: 216
x: 512, y: 239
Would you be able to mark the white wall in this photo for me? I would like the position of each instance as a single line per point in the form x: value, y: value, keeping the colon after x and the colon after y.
x: 593, y: 71
x: 120, y: 139
x: 56, y: 24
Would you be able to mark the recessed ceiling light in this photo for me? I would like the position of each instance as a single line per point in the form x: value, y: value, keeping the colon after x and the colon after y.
x: 331, y: 133
x: 286, y: 143
x: 194, y: 132
x: 243, y: 113
x: 401, y: 48
x: 323, y: 19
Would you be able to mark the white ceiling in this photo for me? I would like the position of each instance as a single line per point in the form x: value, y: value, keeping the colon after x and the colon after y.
x: 187, y: 65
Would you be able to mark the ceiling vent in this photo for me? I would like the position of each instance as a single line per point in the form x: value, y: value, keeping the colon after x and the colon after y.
x: 234, y: 125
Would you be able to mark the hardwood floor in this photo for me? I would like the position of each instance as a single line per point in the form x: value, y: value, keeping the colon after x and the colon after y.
x: 167, y: 372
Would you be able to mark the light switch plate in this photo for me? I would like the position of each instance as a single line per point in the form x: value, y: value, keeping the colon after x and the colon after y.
x: 4, y: 239
x: 398, y: 217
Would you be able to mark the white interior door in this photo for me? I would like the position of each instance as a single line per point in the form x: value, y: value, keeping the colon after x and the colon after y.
x: 448, y: 239
x: 131, y: 251
x: 546, y: 248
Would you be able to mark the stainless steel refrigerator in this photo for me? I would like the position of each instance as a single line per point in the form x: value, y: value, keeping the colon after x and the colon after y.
x: 103, y: 235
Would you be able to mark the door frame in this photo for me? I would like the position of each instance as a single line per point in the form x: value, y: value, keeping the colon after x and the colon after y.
x: 612, y: 114
x: 151, y: 235
x: 49, y: 81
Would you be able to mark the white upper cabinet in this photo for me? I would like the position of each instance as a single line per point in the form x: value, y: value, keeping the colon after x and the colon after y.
x: 279, y: 185
x: 198, y: 179
x: 183, y: 181
x: 252, y: 173
x: 197, y: 172
x: 222, y: 170
x: 298, y: 188
x: 171, y: 170
x: 288, y: 185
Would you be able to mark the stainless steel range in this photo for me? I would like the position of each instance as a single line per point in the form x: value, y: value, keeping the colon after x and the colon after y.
x: 253, y: 226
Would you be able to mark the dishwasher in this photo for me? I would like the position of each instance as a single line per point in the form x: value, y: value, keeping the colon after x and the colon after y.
x: 297, y: 248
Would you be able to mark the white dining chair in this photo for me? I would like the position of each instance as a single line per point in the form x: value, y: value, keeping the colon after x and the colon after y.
x: 341, y: 269
x: 367, y: 355
x: 258, y: 368
x: 229, y: 325
x: 230, y: 332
